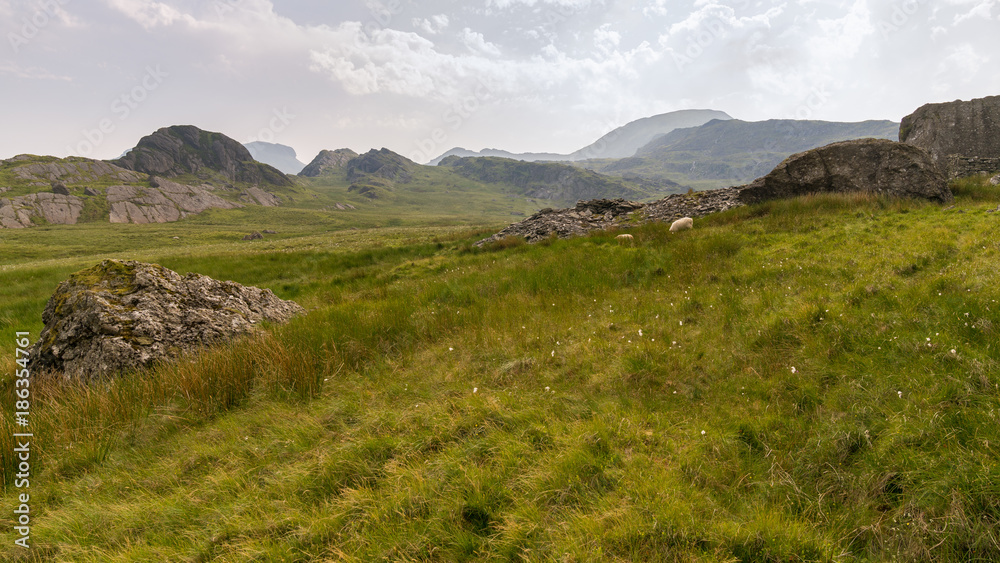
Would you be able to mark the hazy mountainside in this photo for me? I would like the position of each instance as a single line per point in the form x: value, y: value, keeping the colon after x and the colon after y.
x: 620, y: 143
x: 727, y: 152
x: 184, y: 149
x: 626, y: 140
x: 281, y: 157
x: 546, y: 180
x: 327, y: 162
x: 525, y: 156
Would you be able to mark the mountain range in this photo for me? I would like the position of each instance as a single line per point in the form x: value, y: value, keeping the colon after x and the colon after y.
x: 622, y: 142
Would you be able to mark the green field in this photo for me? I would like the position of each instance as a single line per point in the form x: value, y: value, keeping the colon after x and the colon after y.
x: 806, y: 380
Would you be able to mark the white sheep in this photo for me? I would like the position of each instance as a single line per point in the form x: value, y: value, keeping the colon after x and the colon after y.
x: 682, y: 224
x: 622, y: 239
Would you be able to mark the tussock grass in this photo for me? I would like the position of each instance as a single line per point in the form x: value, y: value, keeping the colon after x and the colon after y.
x: 442, y: 402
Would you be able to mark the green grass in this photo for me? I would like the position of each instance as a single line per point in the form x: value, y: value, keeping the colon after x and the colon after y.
x: 445, y: 403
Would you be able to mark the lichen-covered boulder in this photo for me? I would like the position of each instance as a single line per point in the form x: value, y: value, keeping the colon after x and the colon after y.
x: 123, y: 315
x: 876, y: 166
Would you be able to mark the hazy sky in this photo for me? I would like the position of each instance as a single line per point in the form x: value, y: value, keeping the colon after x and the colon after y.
x: 90, y: 77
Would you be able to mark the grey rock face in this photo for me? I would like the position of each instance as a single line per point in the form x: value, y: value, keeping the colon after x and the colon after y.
x: 962, y: 166
x: 91, y: 192
x: 73, y: 171
x: 123, y: 315
x: 995, y: 181
x: 256, y: 195
x: 964, y: 128
x: 56, y: 209
x: 167, y: 202
x: 867, y: 165
x: 60, y: 188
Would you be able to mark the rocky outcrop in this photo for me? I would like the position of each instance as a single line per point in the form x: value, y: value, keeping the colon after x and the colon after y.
x: 257, y: 196
x: 964, y: 128
x: 602, y: 214
x: 381, y: 164
x: 327, y: 162
x: 121, y: 315
x: 167, y: 202
x: 867, y: 165
x: 185, y: 149
x: 55, y: 209
x: 69, y: 170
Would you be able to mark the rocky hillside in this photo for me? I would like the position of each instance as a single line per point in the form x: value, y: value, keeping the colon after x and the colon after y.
x: 327, y: 162
x: 728, y: 152
x: 281, y: 157
x: 47, y: 190
x: 187, y: 150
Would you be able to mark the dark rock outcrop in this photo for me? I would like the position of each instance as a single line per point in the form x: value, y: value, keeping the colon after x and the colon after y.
x: 381, y: 164
x: 123, y: 315
x: 327, y: 162
x: 185, y: 149
x: 964, y: 128
x: 254, y: 236
x: 866, y: 165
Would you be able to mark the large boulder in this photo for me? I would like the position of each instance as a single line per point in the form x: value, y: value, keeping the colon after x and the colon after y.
x: 964, y: 128
x: 124, y: 315
x: 875, y: 166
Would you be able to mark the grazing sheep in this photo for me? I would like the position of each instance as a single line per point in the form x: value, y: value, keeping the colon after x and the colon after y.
x: 682, y: 225
x: 623, y: 238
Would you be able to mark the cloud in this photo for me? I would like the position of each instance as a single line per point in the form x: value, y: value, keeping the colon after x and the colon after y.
x: 150, y: 14
x: 31, y: 73
x: 433, y: 25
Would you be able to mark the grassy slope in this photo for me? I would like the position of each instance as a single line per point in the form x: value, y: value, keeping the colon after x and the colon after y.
x: 441, y: 403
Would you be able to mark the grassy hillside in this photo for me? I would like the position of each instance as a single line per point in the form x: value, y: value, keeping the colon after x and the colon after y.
x: 807, y: 380
x: 725, y: 153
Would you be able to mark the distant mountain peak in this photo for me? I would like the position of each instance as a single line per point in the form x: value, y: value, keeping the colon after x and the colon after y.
x: 621, y: 143
x: 281, y: 157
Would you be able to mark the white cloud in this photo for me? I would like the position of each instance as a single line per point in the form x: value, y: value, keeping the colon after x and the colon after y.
x: 433, y: 25
x: 606, y: 39
x: 30, y: 73
x: 149, y: 13
x: 477, y: 43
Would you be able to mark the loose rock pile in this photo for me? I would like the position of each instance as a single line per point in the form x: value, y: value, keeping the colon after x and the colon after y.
x: 123, y: 315
x: 600, y: 214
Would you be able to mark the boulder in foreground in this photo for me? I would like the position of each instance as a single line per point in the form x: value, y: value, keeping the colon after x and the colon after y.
x: 124, y: 315
x: 876, y: 166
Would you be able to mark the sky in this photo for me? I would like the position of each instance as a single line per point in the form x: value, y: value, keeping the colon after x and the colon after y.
x: 91, y: 77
